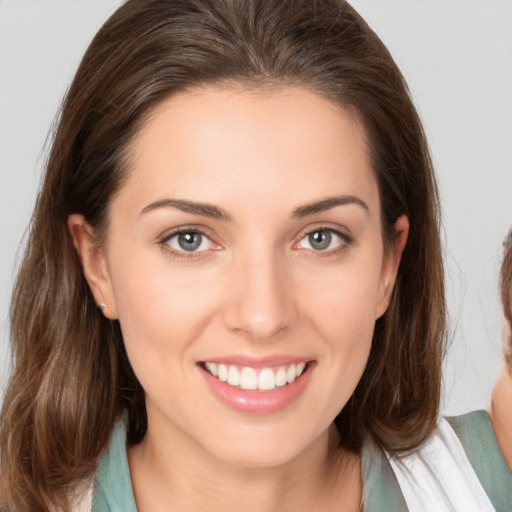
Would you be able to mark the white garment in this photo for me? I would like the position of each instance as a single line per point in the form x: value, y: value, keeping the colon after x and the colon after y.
x: 83, y: 501
x: 439, y: 477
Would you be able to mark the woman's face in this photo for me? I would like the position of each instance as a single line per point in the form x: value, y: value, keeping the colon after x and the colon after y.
x: 246, y: 246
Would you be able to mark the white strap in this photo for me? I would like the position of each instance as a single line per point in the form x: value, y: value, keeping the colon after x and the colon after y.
x: 440, y: 477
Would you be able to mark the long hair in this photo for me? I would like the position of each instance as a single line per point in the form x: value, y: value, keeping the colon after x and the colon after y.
x: 71, y: 379
x: 506, y: 294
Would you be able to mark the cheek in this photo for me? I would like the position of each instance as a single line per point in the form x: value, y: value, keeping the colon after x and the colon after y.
x: 161, y: 309
x: 343, y: 301
x: 162, y: 315
x: 348, y: 330
x: 342, y: 310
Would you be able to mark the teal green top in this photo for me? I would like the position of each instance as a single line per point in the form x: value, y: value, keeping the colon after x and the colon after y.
x: 475, y: 432
x: 113, y: 489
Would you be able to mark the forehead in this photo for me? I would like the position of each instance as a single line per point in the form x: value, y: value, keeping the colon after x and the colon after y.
x: 215, y: 143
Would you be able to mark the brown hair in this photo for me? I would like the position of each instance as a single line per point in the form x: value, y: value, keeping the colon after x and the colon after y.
x: 506, y: 294
x: 71, y: 378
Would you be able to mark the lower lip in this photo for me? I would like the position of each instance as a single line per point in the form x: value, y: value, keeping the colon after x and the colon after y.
x: 258, y: 402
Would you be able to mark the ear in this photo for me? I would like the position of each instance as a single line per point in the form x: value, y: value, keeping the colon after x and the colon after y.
x: 94, y: 264
x: 390, y: 265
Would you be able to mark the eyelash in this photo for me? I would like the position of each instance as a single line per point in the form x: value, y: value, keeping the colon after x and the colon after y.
x: 346, y: 239
x: 183, y: 255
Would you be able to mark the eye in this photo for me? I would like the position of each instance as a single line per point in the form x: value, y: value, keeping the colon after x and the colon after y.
x: 324, y: 239
x: 189, y: 241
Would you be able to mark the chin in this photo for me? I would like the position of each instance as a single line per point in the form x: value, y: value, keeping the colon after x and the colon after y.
x: 261, y: 447
x: 257, y: 459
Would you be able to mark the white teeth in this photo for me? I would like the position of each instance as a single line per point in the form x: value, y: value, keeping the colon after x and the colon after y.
x: 212, y: 368
x: 281, y: 377
x: 291, y: 374
x: 266, y: 380
x: 223, y: 373
x: 233, y: 376
x: 249, y: 379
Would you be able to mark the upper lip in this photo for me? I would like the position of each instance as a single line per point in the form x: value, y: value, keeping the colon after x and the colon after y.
x: 258, y: 361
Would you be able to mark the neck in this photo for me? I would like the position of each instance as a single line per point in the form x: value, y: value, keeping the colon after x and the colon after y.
x: 178, y: 476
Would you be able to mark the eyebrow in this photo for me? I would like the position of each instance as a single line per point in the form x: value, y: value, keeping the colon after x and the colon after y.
x: 203, y: 209
x: 214, y: 212
x: 327, y: 204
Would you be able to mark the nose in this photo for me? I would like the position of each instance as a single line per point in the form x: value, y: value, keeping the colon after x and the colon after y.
x: 261, y: 304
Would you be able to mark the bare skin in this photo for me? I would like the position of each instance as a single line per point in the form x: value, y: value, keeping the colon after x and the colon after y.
x: 317, y: 480
x: 500, y: 411
x: 248, y: 230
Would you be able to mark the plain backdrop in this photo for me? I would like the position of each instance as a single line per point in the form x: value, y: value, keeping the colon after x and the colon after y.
x: 457, y: 58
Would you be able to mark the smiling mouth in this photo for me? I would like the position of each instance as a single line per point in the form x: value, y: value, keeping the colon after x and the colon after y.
x: 251, y: 379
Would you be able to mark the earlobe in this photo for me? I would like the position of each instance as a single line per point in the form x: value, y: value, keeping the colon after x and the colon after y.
x: 94, y: 264
x: 391, y: 263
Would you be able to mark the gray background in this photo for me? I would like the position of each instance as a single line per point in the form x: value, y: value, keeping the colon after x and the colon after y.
x: 457, y: 58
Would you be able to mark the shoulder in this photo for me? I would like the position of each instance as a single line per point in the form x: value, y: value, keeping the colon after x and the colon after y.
x: 460, y: 467
x: 476, y: 435
x: 443, y: 457
x: 500, y: 413
x: 438, y: 476
x: 381, y: 492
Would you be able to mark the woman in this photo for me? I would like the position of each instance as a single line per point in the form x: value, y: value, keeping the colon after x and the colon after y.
x: 223, y: 301
x: 487, y: 437
x: 501, y: 412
